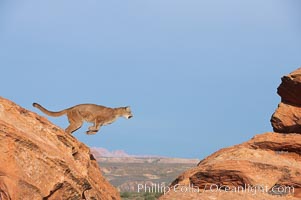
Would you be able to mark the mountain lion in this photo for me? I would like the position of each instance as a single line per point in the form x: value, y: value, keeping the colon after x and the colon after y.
x: 96, y: 114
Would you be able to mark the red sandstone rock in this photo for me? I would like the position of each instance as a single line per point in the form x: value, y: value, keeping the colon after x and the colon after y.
x: 270, y: 160
x: 290, y: 88
x: 287, y: 117
x: 39, y: 161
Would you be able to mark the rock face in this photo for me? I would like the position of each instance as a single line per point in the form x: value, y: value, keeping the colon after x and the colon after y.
x: 266, y: 167
x: 287, y: 118
x: 270, y: 160
x: 39, y: 161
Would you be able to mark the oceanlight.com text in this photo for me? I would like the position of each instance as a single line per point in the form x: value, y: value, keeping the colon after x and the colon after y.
x: 251, y: 189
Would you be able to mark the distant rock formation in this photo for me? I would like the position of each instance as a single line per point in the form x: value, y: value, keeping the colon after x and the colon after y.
x: 266, y: 167
x: 39, y: 161
x: 102, y: 152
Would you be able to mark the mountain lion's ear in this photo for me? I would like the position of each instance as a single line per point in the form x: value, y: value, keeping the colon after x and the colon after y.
x: 128, y: 108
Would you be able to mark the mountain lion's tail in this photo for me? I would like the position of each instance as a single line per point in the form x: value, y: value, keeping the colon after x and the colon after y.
x: 50, y: 113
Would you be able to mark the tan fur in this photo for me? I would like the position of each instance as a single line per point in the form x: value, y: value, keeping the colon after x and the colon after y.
x: 96, y: 114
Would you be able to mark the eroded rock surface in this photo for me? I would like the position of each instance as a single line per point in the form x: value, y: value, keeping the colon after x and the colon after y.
x: 287, y: 117
x: 270, y: 160
x: 39, y: 161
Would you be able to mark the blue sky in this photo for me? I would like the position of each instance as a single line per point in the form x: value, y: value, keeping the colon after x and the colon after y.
x: 199, y: 75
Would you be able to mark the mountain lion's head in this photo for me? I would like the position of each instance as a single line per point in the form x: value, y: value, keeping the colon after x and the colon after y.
x: 127, y: 113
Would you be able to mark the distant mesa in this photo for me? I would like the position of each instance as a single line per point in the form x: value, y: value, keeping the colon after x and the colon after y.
x: 266, y: 167
x: 102, y: 152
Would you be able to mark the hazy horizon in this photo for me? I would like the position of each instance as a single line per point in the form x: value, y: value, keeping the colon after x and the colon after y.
x: 199, y: 75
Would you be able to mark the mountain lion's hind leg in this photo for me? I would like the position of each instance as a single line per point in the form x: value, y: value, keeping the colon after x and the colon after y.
x: 75, y: 121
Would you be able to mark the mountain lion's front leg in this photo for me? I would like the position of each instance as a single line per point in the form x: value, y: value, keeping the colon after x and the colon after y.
x: 94, y: 129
